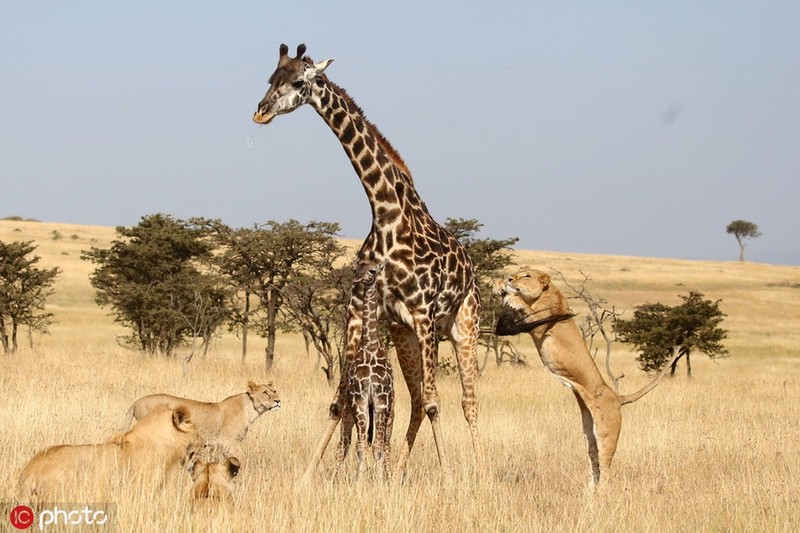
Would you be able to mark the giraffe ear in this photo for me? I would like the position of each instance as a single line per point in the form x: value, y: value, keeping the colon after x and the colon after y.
x: 320, y: 67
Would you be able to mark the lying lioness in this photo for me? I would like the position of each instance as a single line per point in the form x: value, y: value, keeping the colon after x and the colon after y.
x: 531, y: 304
x: 225, y: 421
x: 139, y: 457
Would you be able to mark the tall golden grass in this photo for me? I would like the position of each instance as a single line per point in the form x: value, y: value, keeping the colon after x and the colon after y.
x: 720, y: 451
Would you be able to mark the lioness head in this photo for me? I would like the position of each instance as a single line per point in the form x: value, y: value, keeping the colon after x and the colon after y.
x: 527, y: 300
x: 264, y: 397
x: 213, y: 470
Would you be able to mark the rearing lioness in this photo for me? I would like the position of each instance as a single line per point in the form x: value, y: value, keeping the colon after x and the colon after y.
x: 531, y: 304
x: 227, y: 420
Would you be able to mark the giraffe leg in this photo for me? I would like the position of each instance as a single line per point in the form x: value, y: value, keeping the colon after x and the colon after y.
x: 361, y: 408
x: 379, y: 440
x: 347, y: 434
x: 387, y: 439
x: 316, y: 457
x: 354, y: 322
x: 405, y: 343
x: 464, y: 335
x: 428, y: 346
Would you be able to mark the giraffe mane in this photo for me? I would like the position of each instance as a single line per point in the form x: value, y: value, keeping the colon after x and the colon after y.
x: 384, y: 143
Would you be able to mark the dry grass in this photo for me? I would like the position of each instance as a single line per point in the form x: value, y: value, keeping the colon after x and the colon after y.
x: 718, y: 452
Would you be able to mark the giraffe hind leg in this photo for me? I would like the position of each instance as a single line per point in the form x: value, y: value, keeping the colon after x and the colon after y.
x: 408, y: 356
x: 464, y: 336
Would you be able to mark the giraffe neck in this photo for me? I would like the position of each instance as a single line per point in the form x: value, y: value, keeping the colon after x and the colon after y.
x: 370, y: 339
x: 383, y: 174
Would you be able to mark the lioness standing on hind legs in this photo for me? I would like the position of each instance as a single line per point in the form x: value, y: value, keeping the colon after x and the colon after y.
x: 532, y: 304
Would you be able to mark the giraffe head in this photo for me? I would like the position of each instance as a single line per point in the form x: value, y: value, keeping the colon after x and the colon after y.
x: 290, y: 86
x: 366, y: 271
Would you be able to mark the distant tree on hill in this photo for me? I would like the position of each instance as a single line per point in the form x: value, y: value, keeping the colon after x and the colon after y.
x: 151, y: 277
x: 743, y: 230
x: 660, y: 331
x: 24, y: 290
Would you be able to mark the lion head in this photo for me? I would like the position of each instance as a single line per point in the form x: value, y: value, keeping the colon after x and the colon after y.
x: 528, y: 302
x: 214, y: 469
x: 264, y: 397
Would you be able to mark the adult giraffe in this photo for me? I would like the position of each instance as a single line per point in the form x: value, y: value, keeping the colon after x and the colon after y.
x: 428, y: 286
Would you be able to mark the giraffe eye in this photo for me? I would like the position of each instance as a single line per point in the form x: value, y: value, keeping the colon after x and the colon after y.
x: 298, y: 84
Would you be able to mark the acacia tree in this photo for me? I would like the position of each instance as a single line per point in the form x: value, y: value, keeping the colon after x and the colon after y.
x: 150, y: 278
x: 316, y: 303
x: 24, y: 289
x: 743, y: 231
x: 237, y: 261
x: 489, y: 258
x: 658, y: 331
x: 280, y: 253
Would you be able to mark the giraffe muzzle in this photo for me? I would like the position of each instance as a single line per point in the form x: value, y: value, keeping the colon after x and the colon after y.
x: 263, y: 118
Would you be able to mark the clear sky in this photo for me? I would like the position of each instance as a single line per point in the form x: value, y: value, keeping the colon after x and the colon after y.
x: 614, y: 127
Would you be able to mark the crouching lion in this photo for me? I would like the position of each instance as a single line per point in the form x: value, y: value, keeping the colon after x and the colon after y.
x: 223, y: 421
x: 532, y: 304
x: 214, y: 470
x: 139, y: 457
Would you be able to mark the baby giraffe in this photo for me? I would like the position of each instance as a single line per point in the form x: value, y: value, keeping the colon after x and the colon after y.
x: 370, y: 385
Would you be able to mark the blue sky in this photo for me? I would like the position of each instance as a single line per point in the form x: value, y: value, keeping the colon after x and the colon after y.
x: 632, y: 128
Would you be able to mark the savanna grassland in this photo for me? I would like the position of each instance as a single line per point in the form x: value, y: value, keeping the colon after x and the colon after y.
x: 717, y: 452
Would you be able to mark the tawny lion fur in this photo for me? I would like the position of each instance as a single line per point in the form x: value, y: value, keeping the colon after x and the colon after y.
x: 214, y: 470
x: 533, y: 304
x: 227, y: 420
x: 138, y: 458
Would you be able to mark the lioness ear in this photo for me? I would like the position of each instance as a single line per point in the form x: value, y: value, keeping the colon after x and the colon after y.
x: 181, y: 416
x: 544, y: 279
x: 251, y: 386
x: 233, y: 466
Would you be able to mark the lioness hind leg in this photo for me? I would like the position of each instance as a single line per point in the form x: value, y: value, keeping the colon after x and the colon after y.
x: 601, y: 418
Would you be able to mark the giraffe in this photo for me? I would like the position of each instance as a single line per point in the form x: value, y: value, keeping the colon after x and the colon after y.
x: 428, y: 285
x: 370, y: 387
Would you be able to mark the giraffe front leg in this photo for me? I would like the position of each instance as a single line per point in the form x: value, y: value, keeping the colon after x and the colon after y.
x: 405, y: 343
x: 362, y: 429
x: 347, y: 434
x: 379, y: 439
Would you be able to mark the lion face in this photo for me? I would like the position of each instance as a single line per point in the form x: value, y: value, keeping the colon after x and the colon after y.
x: 520, y: 292
x: 264, y: 397
x: 527, y: 285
